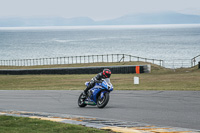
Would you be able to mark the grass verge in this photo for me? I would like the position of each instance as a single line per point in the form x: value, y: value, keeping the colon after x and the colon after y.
x: 10, y: 124
x: 159, y: 79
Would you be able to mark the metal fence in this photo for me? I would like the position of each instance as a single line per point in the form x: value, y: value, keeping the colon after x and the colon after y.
x: 178, y: 63
x: 195, y: 60
x: 78, y: 60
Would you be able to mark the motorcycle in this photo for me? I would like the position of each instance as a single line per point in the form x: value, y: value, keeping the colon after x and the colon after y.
x: 98, y: 95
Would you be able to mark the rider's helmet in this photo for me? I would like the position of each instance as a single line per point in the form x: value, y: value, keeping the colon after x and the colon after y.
x: 106, y: 73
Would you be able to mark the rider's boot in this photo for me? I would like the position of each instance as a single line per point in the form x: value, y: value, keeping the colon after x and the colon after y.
x: 84, y: 95
x: 87, y: 88
x: 85, y: 92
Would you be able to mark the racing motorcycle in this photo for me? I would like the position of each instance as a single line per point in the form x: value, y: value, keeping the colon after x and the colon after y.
x: 98, y: 95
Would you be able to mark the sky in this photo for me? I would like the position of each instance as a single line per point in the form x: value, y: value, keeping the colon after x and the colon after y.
x: 95, y: 9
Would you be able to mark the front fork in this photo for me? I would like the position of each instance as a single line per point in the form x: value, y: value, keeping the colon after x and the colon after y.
x: 102, y: 93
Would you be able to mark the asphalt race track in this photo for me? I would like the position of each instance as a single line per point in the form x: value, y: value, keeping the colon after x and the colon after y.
x: 167, y: 108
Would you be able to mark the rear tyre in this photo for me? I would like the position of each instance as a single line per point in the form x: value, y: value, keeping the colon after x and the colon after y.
x: 81, y: 101
x: 102, y: 102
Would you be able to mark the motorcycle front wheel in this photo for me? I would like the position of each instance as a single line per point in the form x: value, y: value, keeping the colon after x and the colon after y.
x: 81, y: 101
x: 102, y: 102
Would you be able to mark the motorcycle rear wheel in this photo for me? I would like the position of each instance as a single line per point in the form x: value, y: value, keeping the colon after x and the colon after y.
x: 102, y: 102
x: 81, y: 101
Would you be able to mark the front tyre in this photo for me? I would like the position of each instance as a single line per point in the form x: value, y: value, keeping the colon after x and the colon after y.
x: 102, y: 102
x: 81, y: 101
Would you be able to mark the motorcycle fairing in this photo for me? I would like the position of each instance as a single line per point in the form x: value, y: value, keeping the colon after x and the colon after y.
x: 98, y: 90
x: 93, y: 97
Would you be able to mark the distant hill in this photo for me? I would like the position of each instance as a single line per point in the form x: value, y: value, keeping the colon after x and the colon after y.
x: 154, y: 18
x: 132, y: 19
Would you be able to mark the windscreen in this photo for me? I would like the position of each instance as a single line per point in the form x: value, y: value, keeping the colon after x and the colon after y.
x: 108, y: 80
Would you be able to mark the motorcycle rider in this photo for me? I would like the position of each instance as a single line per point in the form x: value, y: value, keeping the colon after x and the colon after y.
x: 97, y: 79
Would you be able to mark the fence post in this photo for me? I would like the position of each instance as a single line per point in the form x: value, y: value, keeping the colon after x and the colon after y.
x: 46, y: 61
x: 84, y: 58
x: 68, y: 59
x: 163, y: 63
x: 117, y: 57
x: 191, y: 63
x: 112, y: 58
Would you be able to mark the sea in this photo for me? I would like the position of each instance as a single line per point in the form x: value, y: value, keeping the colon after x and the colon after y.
x: 163, y: 42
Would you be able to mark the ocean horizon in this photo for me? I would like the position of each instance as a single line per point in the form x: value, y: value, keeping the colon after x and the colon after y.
x: 101, y: 26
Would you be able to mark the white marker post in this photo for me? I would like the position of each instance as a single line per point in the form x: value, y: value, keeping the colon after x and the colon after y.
x: 136, y: 80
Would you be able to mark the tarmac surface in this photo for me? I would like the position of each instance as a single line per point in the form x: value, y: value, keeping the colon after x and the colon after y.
x: 160, y: 108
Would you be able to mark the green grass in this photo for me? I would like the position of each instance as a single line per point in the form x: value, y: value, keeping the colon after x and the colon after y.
x: 10, y: 124
x: 159, y: 79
